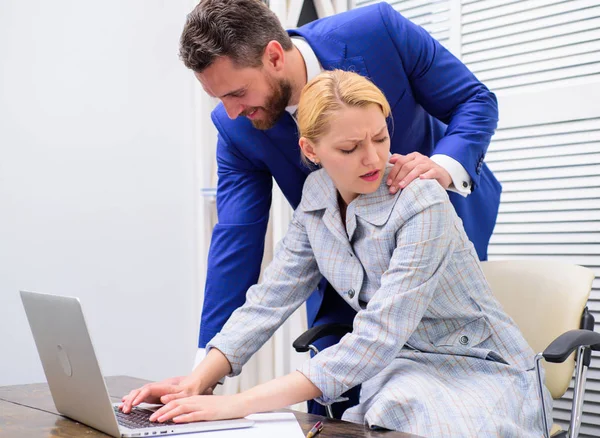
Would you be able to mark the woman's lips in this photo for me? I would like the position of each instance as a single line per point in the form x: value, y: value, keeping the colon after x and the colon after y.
x: 371, y: 176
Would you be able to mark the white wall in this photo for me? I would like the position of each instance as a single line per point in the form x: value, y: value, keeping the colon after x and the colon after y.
x: 97, y: 183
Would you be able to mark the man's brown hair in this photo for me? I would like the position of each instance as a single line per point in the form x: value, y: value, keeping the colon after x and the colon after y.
x: 238, y: 29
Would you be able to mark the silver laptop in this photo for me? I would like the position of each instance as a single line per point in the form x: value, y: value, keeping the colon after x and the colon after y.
x: 74, y: 377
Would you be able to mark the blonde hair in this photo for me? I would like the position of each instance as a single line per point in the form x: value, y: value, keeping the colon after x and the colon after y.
x: 329, y: 92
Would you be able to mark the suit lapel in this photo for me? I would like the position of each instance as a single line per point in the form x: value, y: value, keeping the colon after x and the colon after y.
x: 284, y: 136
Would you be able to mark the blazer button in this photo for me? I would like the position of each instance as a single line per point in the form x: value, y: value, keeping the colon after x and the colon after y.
x: 464, y: 340
x: 351, y: 293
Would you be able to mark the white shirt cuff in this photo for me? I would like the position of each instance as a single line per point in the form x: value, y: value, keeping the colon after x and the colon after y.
x: 200, y: 355
x: 461, y: 180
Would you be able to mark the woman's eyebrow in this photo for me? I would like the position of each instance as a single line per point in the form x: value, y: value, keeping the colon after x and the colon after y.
x: 381, y: 130
x: 354, y: 140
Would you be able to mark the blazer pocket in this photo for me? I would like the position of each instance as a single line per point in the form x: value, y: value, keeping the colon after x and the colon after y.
x: 469, y: 335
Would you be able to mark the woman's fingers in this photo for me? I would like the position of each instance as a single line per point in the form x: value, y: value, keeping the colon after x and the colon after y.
x: 192, y: 416
x: 152, y: 393
x: 165, y: 399
x: 195, y: 408
x: 141, y: 396
x: 172, y: 409
x: 128, y: 399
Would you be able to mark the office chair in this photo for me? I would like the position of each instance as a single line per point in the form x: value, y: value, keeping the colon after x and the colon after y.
x: 547, y: 300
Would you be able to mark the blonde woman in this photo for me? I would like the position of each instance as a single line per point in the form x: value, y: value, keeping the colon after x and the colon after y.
x: 435, y: 353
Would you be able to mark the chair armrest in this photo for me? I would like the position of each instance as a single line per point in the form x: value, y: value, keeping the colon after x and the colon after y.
x: 320, y: 331
x: 565, y: 344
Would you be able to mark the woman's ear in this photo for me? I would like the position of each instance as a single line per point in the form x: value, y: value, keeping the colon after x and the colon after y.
x: 308, y: 149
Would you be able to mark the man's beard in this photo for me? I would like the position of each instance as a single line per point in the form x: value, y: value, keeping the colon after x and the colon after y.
x: 275, y: 104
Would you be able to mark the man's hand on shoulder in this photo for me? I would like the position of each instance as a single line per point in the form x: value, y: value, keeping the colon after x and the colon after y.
x: 415, y: 165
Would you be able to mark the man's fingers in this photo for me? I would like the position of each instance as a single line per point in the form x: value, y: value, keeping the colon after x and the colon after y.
x: 398, y: 161
x: 403, y: 158
x: 415, y: 173
x: 400, y: 180
x: 430, y: 174
x: 406, y: 169
x: 393, y: 172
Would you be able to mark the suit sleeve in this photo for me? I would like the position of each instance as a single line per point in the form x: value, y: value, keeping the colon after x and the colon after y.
x: 237, y: 243
x: 287, y: 282
x: 423, y: 250
x: 447, y: 90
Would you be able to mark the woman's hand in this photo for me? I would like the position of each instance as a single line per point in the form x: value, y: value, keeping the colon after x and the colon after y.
x: 162, y: 392
x: 269, y: 396
x: 202, y: 408
x: 202, y: 381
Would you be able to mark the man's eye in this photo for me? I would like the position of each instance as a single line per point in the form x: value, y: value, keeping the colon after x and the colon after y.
x: 380, y: 140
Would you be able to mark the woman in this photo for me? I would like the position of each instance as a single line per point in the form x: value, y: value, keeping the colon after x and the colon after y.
x: 435, y: 353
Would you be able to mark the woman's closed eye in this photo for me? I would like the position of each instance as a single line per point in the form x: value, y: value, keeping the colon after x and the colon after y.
x: 376, y: 140
x: 349, y: 151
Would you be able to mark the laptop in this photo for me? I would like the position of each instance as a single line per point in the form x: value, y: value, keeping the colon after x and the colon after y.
x: 75, y: 380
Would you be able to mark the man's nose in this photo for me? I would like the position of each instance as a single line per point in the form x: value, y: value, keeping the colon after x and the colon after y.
x: 233, y: 109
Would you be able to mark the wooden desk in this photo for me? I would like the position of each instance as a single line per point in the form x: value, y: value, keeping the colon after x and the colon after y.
x: 27, y: 411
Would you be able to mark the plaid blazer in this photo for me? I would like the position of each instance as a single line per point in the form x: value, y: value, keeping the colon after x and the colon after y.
x: 405, y: 264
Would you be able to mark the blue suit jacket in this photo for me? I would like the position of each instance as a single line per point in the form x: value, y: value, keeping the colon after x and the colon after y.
x: 438, y: 106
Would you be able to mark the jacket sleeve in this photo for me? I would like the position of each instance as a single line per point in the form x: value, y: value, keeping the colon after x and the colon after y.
x: 287, y: 282
x: 237, y: 243
x: 447, y: 90
x: 423, y: 249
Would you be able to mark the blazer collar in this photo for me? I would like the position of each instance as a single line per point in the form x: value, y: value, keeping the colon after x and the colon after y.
x: 332, y: 54
x: 319, y: 193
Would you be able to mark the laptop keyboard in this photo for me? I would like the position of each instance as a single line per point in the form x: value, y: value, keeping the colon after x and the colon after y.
x: 138, y: 418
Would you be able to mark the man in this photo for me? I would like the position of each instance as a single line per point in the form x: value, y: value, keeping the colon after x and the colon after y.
x: 241, y: 55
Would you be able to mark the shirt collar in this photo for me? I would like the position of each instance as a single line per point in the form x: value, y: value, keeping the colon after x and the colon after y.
x: 313, y: 67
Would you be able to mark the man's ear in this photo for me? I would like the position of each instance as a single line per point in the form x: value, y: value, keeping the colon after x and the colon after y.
x: 274, y: 56
x: 308, y: 149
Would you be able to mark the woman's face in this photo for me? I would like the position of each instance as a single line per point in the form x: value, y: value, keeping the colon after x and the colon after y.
x: 355, y: 150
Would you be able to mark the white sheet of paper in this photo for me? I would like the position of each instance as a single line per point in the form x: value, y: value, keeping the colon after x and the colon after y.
x: 269, y: 425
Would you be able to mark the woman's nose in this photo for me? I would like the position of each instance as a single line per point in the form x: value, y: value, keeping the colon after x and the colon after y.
x: 371, y: 156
